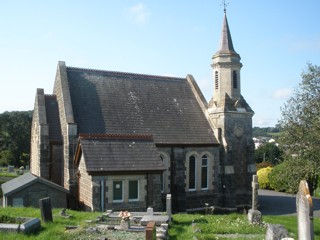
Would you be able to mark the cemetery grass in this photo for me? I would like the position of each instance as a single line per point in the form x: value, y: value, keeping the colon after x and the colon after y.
x: 7, y: 174
x: 204, y: 227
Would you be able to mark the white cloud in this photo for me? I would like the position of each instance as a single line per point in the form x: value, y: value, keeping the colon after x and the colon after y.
x: 282, y: 93
x: 260, y: 121
x: 139, y: 13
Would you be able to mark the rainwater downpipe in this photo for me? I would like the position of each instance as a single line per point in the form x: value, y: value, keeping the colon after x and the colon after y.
x: 102, y: 195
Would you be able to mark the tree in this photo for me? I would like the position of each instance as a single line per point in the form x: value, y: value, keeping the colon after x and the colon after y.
x: 300, y: 121
x: 268, y: 152
x: 286, y: 176
x: 15, y: 130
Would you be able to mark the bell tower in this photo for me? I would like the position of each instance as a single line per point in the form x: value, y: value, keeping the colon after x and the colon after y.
x: 226, y: 68
x: 232, y: 117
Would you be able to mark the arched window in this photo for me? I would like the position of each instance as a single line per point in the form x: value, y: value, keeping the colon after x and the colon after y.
x: 192, y: 173
x: 216, y: 80
x: 204, y: 172
x: 165, y: 176
x: 235, y: 79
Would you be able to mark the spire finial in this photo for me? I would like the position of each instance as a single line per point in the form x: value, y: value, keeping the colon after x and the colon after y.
x: 224, y: 3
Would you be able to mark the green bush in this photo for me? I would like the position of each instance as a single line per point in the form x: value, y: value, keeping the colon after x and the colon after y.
x: 263, y: 177
x: 286, y: 176
x: 263, y: 164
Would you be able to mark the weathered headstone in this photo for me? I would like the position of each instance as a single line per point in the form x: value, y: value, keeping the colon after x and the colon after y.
x: 168, y: 206
x: 46, y: 210
x: 304, y: 212
x: 276, y: 231
x: 254, y: 215
x: 10, y: 169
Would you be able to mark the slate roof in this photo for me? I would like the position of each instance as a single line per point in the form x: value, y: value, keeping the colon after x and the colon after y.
x: 52, y: 114
x: 119, y: 153
x: 24, y: 181
x: 125, y: 103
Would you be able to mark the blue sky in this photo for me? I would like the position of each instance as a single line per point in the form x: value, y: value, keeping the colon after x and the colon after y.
x: 275, y: 40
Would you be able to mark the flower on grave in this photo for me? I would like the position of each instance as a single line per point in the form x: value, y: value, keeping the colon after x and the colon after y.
x: 125, y: 215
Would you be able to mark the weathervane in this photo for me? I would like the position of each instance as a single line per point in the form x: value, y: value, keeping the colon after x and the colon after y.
x: 224, y: 5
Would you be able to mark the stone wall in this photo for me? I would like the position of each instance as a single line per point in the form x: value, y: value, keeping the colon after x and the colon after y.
x: 237, y: 158
x: 182, y: 198
x: 56, y: 166
x: 68, y: 128
x: 106, y: 183
x: 40, y: 150
x: 85, y: 186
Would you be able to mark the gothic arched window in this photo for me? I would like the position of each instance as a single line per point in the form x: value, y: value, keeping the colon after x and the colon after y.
x: 192, y: 173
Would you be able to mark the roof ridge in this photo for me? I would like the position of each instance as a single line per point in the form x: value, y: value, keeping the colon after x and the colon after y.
x: 116, y: 136
x: 127, y: 73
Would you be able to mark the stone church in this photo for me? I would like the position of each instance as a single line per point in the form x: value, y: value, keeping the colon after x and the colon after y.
x: 122, y: 141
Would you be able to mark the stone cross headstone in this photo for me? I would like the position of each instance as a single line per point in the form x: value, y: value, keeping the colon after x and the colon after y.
x: 255, y: 186
x: 168, y: 206
x: 46, y: 210
x: 150, y: 211
x: 254, y: 215
x: 304, y: 212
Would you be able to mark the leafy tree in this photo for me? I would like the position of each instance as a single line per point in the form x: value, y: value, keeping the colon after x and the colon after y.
x: 268, y: 152
x: 286, y: 176
x: 300, y: 122
x: 15, y: 130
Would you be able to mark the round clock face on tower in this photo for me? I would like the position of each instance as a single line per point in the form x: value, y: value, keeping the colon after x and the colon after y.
x: 238, y: 129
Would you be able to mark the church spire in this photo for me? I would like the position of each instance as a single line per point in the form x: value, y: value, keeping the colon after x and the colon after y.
x: 226, y: 45
x: 226, y: 69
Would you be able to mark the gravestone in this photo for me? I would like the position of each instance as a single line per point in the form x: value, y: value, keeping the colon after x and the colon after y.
x: 276, y: 231
x: 168, y: 206
x: 304, y: 212
x: 150, y: 211
x: 46, y: 210
x: 254, y: 215
x: 10, y: 169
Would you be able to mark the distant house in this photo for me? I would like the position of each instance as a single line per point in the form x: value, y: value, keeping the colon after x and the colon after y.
x: 27, y: 189
x: 119, y: 140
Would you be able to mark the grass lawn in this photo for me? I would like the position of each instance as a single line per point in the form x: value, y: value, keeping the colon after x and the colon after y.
x: 9, y: 175
x: 184, y: 226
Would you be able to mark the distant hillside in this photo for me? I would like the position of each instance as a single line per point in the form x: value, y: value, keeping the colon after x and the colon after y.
x: 266, y: 131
